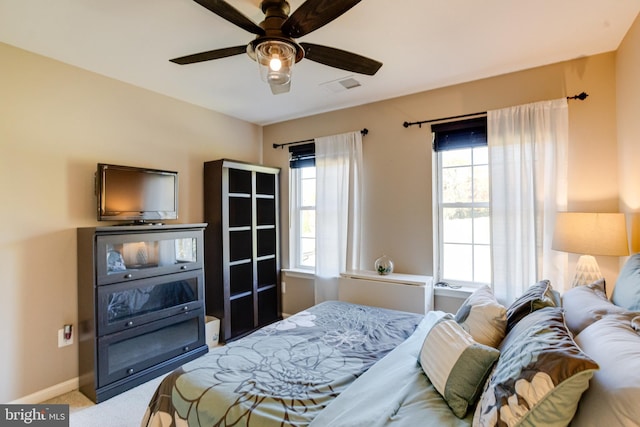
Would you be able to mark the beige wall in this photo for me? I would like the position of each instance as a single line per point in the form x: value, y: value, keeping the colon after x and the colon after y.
x: 628, y: 115
x: 397, y: 160
x: 56, y: 123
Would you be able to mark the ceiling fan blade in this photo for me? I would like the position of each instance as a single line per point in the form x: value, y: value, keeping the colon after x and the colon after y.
x: 313, y: 14
x: 231, y: 14
x: 210, y: 54
x: 278, y: 89
x: 340, y: 59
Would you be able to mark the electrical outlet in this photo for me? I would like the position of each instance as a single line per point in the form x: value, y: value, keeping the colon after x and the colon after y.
x: 62, y: 342
x: 284, y: 287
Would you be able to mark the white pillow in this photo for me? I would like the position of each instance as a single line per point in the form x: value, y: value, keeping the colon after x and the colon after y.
x: 456, y: 365
x: 483, y: 317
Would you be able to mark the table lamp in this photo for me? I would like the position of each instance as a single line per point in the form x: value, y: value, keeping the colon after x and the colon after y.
x: 590, y: 234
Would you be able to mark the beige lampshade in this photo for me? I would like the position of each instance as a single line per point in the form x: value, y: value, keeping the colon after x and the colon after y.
x: 591, y: 233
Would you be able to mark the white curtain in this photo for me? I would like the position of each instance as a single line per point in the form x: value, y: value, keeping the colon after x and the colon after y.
x: 338, y: 204
x: 528, y: 173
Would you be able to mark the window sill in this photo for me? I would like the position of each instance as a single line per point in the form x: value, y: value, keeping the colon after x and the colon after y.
x: 299, y: 273
x: 462, y: 292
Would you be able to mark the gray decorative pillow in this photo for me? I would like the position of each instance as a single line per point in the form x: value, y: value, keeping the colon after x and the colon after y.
x: 536, y: 297
x: 483, y: 317
x: 584, y: 305
x: 614, y: 391
x: 627, y: 291
x: 456, y: 365
x: 539, y: 377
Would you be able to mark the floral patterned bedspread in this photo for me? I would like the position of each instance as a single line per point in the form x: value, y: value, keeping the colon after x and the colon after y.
x: 283, y: 374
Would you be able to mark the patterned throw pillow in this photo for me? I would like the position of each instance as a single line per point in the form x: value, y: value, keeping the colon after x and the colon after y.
x: 536, y: 297
x: 540, y: 376
x: 483, y: 317
x: 456, y: 365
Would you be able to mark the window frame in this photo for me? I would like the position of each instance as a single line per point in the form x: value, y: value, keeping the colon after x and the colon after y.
x: 295, y: 226
x: 439, y: 205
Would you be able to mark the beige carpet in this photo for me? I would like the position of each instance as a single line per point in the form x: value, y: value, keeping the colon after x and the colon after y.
x: 123, y: 410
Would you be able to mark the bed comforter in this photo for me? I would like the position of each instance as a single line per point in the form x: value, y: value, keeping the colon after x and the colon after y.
x: 394, y: 392
x: 283, y: 374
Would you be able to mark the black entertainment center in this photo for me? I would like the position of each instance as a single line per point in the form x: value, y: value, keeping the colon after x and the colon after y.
x: 140, y: 304
x: 140, y: 283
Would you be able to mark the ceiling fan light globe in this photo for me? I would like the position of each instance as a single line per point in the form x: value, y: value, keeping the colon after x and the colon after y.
x: 275, y: 60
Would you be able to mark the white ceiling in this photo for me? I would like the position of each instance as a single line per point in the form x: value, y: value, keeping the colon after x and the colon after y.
x: 423, y: 44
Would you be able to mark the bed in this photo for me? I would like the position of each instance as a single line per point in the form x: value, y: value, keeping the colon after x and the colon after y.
x: 283, y: 374
x: 545, y: 360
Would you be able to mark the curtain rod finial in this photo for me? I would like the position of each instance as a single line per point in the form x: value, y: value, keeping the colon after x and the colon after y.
x: 581, y: 96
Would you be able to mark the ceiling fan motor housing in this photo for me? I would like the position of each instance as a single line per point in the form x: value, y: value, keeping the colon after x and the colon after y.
x: 275, y: 13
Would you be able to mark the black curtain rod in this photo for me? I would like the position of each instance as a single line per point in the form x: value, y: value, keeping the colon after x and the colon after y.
x: 363, y: 132
x: 420, y: 123
x: 581, y: 96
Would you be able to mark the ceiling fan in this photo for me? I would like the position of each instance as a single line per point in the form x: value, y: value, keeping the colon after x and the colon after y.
x: 275, y: 49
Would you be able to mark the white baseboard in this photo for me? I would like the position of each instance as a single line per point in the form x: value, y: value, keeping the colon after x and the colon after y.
x: 49, y: 393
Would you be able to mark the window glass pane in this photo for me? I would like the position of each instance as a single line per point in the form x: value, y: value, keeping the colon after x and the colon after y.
x: 308, y: 172
x: 308, y: 252
x: 481, y: 226
x: 458, y: 262
x: 308, y: 223
x: 482, y: 264
x: 481, y: 184
x: 456, y: 157
x: 456, y: 224
x: 308, y: 192
x: 456, y: 185
x: 480, y: 155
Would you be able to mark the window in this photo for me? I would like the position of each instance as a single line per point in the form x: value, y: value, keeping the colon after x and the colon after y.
x: 304, y: 223
x: 302, y: 204
x: 463, y: 238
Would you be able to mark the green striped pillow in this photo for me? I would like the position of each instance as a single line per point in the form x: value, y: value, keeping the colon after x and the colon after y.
x: 456, y: 365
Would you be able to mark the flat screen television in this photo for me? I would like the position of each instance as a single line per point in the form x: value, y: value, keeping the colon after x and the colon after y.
x: 135, y: 194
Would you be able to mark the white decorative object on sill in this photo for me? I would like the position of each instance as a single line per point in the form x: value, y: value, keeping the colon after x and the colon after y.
x: 384, y: 265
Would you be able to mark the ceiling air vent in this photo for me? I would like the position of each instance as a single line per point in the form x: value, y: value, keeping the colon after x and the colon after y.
x: 341, y: 85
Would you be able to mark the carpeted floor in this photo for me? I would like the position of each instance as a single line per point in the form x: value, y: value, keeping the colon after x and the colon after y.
x: 123, y: 410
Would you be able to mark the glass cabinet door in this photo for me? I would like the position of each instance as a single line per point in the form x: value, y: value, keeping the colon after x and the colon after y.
x: 129, y: 304
x: 137, y: 255
x: 131, y: 352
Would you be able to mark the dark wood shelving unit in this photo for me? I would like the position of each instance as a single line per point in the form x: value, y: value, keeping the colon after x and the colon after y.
x: 242, y: 262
